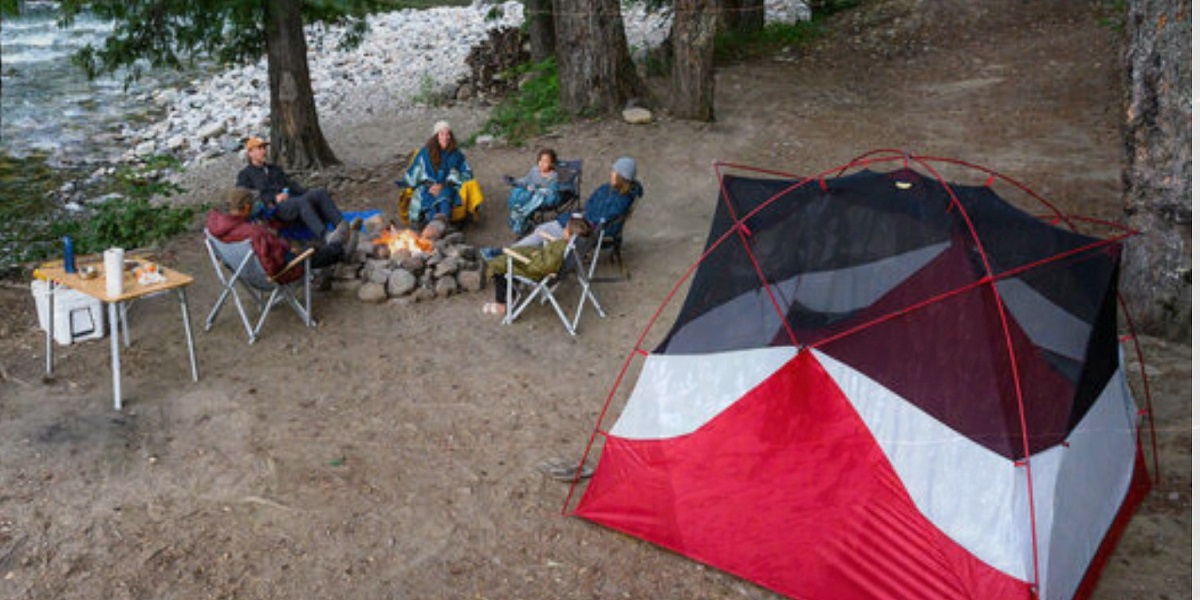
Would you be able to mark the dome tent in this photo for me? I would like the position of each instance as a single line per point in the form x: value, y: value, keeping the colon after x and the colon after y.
x: 883, y: 385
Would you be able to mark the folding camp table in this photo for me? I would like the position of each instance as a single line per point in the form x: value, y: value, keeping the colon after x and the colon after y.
x: 57, y: 277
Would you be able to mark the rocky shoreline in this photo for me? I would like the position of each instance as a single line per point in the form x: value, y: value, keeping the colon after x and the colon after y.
x: 409, y: 63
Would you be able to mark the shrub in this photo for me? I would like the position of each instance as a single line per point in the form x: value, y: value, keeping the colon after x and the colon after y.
x: 533, y: 110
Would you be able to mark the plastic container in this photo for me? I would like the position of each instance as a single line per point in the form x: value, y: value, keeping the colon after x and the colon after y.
x: 77, y: 316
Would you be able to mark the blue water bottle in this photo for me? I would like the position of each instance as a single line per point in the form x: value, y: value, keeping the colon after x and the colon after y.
x: 68, y: 255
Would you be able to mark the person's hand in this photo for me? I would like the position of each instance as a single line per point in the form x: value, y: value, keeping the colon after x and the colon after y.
x: 435, y: 189
x: 280, y: 197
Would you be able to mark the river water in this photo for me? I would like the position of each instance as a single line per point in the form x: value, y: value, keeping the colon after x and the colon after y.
x: 49, y: 107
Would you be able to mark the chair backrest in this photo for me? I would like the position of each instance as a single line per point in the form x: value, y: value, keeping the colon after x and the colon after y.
x: 240, y: 255
x: 570, y: 179
x: 615, y: 229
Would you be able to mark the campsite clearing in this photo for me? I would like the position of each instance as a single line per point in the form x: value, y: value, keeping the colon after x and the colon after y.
x: 394, y: 451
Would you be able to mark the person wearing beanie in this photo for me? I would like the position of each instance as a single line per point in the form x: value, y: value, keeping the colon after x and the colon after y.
x: 608, y: 204
x: 436, y: 175
x: 626, y: 168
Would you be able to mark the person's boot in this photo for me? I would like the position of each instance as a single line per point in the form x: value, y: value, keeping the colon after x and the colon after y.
x: 339, y: 233
x: 350, y: 251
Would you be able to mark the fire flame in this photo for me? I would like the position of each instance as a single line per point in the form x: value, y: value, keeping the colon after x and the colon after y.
x: 403, y: 239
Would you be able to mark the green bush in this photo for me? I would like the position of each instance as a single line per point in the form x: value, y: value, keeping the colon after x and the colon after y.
x: 773, y: 37
x: 130, y: 219
x: 534, y: 110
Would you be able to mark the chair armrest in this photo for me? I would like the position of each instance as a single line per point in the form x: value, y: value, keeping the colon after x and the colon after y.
x: 545, y: 236
x: 299, y: 260
x: 516, y: 256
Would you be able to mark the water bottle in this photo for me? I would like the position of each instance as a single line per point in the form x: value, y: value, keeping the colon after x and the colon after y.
x: 68, y: 255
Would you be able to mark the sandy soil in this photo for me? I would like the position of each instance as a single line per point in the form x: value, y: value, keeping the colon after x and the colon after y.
x: 393, y: 452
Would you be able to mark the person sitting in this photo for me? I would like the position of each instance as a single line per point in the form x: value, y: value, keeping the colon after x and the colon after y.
x: 435, y: 176
x: 273, y: 252
x: 282, y: 199
x: 531, y: 262
x: 607, y: 204
x: 536, y: 190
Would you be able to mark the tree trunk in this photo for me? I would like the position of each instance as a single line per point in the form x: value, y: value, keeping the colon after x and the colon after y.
x: 595, y: 72
x: 296, y: 139
x: 539, y: 15
x: 1157, y: 277
x: 693, y: 34
x: 742, y: 16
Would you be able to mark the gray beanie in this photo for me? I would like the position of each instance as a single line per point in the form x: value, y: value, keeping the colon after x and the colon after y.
x: 626, y: 168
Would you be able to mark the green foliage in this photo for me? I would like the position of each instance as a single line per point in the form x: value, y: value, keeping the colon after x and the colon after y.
x: 533, y: 110
x: 773, y: 38
x: 171, y: 34
x: 1113, y: 15
x: 25, y: 217
x: 32, y: 230
x: 428, y: 92
x: 131, y: 220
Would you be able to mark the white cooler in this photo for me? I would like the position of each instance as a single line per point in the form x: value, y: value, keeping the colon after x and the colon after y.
x: 77, y: 316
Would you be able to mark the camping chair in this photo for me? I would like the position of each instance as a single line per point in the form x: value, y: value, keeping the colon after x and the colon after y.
x: 236, y: 264
x: 570, y: 178
x: 609, y: 237
x: 522, y: 291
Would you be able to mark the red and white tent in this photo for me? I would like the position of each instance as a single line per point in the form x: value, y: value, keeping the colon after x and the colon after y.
x: 883, y: 385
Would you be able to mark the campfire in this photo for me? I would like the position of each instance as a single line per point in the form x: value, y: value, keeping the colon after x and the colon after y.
x: 410, y: 266
x: 397, y: 240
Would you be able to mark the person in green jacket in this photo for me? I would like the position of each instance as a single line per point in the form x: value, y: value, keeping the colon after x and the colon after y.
x: 531, y: 262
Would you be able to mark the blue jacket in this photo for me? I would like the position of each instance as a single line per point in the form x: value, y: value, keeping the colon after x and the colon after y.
x: 605, y: 204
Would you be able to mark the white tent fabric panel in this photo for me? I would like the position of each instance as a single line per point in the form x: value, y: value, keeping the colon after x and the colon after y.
x: 1046, y: 323
x: 969, y: 492
x: 834, y: 292
x: 676, y: 394
x: 853, y: 288
x: 1092, y: 475
x: 713, y: 326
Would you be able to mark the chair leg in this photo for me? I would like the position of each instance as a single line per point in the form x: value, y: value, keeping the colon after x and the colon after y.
x: 570, y: 327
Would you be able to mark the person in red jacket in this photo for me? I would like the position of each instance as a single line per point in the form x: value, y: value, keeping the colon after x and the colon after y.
x: 273, y: 252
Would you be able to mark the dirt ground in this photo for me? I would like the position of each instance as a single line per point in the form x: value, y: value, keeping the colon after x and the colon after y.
x: 393, y: 452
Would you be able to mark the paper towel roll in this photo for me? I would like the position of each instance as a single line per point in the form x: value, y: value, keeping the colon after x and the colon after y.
x: 114, y: 272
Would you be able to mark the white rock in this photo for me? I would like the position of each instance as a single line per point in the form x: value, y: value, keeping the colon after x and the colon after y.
x: 211, y: 131
x: 637, y: 116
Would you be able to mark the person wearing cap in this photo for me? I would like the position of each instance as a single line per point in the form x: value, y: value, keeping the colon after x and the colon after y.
x: 281, y: 198
x: 436, y: 175
x: 607, y: 204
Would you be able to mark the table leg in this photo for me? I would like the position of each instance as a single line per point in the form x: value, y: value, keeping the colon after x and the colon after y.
x: 124, y: 325
x: 50, y: 285
x: 187, y: 328
x: 116, y: 355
